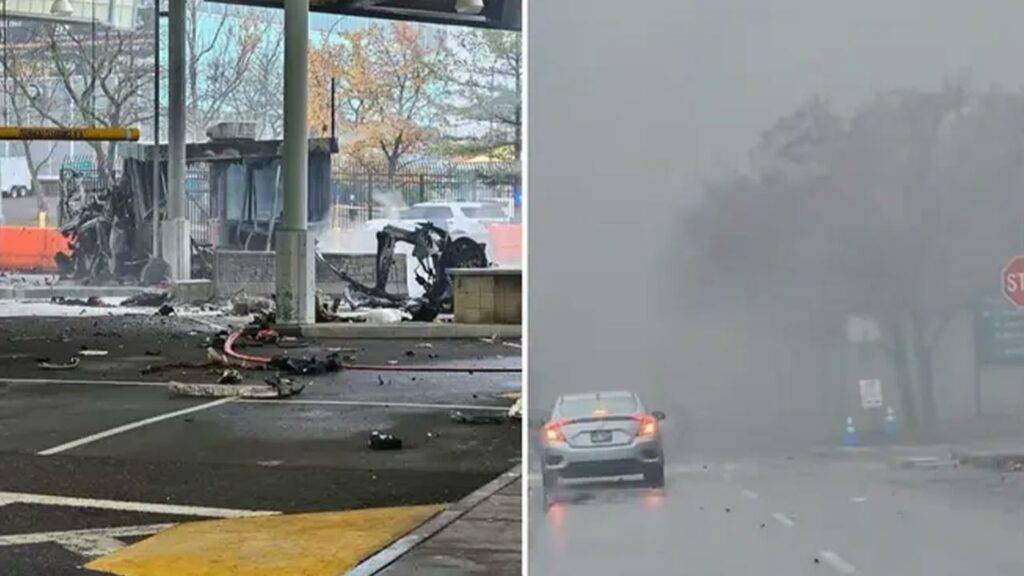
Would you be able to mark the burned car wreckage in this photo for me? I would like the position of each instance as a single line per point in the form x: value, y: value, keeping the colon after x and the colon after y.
x: 108, y: 224
x: 435, y: 252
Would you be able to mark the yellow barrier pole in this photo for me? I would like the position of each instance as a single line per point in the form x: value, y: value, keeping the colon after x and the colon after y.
x: 87, y: 134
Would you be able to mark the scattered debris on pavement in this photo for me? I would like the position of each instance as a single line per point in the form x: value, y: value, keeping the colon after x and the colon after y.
x: 147, y: 299
x: 464, y: 418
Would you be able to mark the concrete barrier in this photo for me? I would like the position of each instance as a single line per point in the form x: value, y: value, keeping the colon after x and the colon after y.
x: 488, y: 295
x: 27, y: 249
x: 507, y: 243
x: 254, y: 272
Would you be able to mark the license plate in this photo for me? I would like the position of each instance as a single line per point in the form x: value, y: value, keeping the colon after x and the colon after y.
x: 601, y: 436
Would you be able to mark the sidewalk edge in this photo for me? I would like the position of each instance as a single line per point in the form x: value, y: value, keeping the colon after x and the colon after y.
x: 386, y: 556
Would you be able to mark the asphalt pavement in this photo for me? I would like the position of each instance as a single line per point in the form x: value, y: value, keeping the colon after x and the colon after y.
x: 810, y: 512
x: 102, y: 456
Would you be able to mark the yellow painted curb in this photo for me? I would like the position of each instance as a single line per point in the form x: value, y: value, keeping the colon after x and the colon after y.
x: 323, y: 543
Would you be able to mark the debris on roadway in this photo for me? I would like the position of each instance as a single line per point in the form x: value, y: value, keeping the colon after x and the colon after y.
x: 382, y: 441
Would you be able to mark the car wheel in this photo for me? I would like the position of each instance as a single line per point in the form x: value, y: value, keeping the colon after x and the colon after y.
x: 20, y: 192
x: 655, y: 476
x: 550, y: 480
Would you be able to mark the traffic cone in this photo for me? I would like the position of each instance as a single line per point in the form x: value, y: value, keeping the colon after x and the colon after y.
x: 850, y: 436
x: 892, y: 427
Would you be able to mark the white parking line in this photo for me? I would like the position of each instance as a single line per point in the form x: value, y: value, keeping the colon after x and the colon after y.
x: 79, y: 382
x: 130, y: 426
x: 91, y: 546
x: 377, y: 404
x: 127, y: 506
x: 783, y: 519
x: 90, y: 543
x: 837, y: 563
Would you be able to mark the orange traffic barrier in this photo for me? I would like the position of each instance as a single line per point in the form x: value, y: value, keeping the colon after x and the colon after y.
x: 507, y: 243
x: 30, y: 249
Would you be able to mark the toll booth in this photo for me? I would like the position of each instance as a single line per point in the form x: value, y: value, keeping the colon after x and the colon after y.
x: 233, y: 189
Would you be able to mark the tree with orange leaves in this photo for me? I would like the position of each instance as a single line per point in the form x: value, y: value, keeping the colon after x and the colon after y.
x: 391, y: 81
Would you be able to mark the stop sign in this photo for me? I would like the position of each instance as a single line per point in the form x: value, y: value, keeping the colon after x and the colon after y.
x: 1013, y: 281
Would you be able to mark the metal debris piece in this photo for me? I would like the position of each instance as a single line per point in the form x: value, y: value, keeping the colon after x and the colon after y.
x: 230, y: 376
x: 267, y: 336
x: 463, y: 418
x: 69, y: 365
x: 516, y: 410
x: 285, y: 386
x: 382, y: 441
x: 307, y: 366
x: 147, y: 299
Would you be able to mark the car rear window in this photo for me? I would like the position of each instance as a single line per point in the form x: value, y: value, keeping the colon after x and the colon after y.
x: 491, y: 211
x: 597, y: 406
x: 432, y: 213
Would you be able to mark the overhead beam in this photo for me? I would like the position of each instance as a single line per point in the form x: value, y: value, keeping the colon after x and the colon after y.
x: 497, y: 14
x: 115, y: 133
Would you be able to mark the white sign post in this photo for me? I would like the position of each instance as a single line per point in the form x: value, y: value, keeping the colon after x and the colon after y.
x: 871, y: 393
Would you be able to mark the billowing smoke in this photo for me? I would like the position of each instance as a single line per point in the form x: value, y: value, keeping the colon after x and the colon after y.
x: 734, y: 180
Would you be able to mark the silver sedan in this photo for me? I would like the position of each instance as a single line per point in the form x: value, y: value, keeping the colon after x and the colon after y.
x: 600, y: 434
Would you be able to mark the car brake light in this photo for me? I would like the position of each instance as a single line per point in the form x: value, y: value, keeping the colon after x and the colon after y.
x: 553, y: 433
x: 648, y: 426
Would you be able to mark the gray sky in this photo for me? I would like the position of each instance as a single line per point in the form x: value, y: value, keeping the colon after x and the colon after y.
x: 733, y: 66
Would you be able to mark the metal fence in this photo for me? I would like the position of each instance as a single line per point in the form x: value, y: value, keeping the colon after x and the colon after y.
x: 197, y: 201
x: 365, y: 192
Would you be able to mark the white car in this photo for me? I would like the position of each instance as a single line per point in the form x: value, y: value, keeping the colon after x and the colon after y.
x: 458, y: 218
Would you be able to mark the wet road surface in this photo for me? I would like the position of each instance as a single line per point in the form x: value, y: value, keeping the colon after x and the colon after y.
x: 816, y: 513
x: 84, y: 458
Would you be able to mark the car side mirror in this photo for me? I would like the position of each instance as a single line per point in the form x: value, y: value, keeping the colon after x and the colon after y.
x: 658, y: 415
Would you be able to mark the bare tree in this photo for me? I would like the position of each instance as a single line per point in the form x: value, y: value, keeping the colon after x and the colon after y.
x: 104, y: 78
x: 224, y: 44
x: 488, y: 75
x: 259, y: 94
x: 900, y: 213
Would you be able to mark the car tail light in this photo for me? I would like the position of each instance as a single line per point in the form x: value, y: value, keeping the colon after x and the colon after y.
x: 553, y: 434
x: 648, y: 426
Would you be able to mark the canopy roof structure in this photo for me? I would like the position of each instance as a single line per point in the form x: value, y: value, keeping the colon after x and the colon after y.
x: 497, y: 14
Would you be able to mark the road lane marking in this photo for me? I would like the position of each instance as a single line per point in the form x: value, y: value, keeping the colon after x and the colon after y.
x: 378, y: 404
x: 131, y: 426
x: 750, y: 494
x: 837, y: 563
x: 77, y: 538
x: 80, y: 382
x: 783, y: 519
x: 858, y: 499
x: 125, y: 506
x: 91, y: 546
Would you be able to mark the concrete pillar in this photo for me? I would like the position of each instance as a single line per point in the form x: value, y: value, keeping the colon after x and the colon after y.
x: 176, y: 245
x: 295, y: 266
